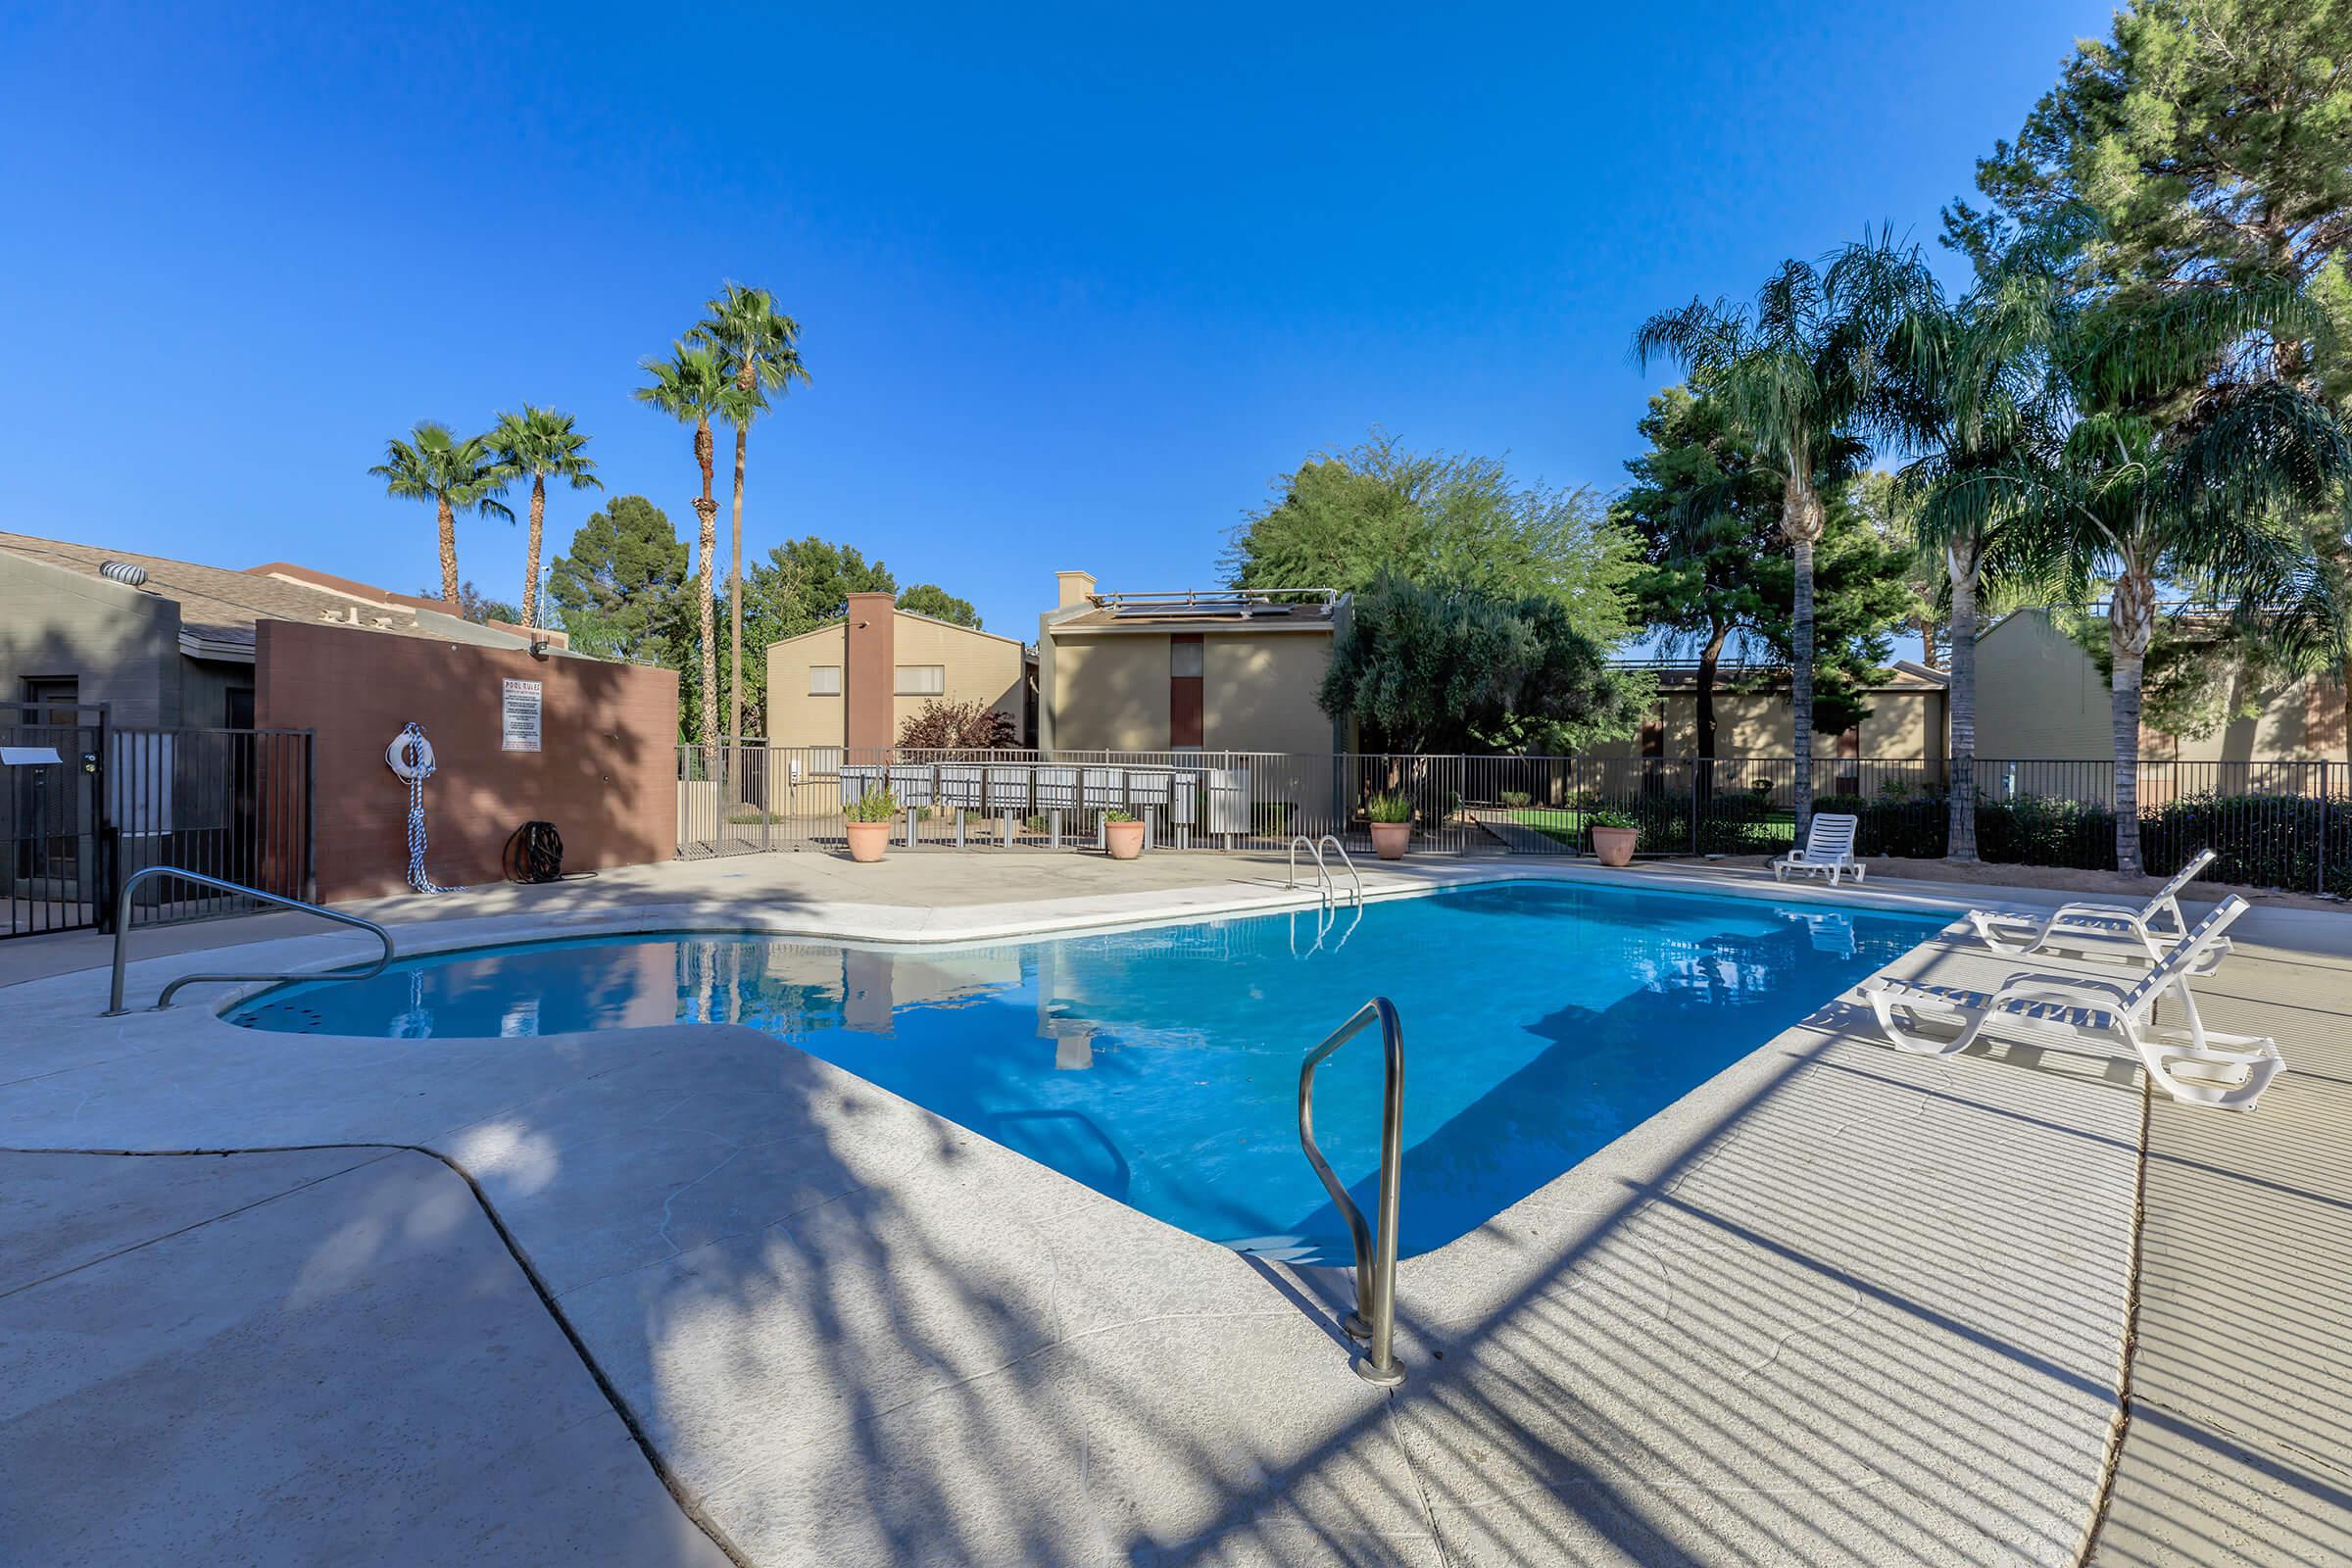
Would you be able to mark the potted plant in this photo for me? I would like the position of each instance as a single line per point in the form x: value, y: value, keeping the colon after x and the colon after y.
x: 1392, y: 817
x: 1122, y: 833
x: 1613, y: 836
x: 869, y: 820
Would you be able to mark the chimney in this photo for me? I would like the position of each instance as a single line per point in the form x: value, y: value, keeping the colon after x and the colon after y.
x: 869, y: 677
x: 1073, y: 587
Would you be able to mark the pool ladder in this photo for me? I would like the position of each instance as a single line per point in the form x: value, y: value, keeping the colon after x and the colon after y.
x: 114, y: 1008
x: 1325, y: 883
x: 1374, y: 1320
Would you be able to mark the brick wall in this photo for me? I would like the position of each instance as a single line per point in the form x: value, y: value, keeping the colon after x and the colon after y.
x: 605, y: 773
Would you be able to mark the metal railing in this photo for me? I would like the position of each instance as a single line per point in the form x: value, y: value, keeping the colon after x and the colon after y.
x: 1374, y: 1320
x: 114, y: 1008
x: 1325, y: 883
x: 2275, y: 824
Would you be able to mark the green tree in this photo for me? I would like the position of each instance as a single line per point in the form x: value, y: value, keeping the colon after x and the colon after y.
x: 455, y: 476
x: 1345, y: 517
x: 760, y: 346
x: 2209, y: 141
x: 929, y: 599
x: 694, y: 387
x: 1424, y: 669
x: 1795, y: 372
x: 541, y: 443
x: 621, y: 590
x: 801, y: 585
x: 475, y: 605
x: 2162, y: 455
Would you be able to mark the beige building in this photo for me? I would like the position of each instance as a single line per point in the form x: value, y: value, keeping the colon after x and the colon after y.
x: 855, y: 681
x: 1212, y: 669
x: 1907, y: 719
x: 2039, y: 694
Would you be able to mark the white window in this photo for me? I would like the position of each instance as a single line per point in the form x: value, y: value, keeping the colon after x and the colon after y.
x: 922, y: 680
x: 824, y: 680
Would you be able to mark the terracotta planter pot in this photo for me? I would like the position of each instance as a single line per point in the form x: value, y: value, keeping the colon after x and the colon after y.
x: 1614, y: 846
x: 867, y: 840
x: 1389, y: 839
x: 1125, y: 840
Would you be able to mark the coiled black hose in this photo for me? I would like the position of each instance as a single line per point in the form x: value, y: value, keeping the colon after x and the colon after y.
x: 535, y: 854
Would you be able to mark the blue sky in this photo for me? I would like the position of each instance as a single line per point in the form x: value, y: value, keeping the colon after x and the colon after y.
x: 1075, y: 283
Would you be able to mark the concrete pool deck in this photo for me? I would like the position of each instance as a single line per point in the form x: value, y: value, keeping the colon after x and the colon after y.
x: 1838, y: 1305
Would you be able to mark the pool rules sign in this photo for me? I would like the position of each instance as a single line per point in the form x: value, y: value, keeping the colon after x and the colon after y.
x: 519, y: 717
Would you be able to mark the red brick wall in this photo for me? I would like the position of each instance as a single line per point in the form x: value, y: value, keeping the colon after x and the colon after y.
x: 605, y: 773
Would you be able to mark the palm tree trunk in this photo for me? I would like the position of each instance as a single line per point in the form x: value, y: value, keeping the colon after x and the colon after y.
x: 448, y: 553
x: 1960, y: 562
x: 706, y: 507
x: 2130, y: 628
x: 530, y: 576
x: 1800, y: 685
x: 1927, y: 641
x: 735, y: 597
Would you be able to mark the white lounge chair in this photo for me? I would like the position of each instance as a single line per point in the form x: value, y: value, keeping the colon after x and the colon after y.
x: 2195, y: 1064
x: 1829, y: 849
x: 2157, y: 925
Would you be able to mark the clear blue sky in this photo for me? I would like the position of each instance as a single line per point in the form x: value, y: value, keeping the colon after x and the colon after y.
x: 1074, y: 283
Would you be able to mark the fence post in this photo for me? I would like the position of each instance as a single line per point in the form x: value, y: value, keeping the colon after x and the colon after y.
x: 2320, y: 876
x: 1695, y: 807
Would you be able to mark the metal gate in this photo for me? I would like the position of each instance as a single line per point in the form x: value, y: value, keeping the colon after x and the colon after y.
x: 57, y: 871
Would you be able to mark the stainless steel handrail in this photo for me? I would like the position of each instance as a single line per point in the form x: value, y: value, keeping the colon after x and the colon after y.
x: 1324, y: 884
x: 114, y: 1008
x: 1333, y: 838
x: 1375, y: 1316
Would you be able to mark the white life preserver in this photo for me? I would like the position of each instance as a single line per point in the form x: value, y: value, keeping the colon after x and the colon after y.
x: 410, y: 756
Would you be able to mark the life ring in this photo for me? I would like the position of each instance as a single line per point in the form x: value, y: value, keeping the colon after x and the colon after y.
x: 410, y: 754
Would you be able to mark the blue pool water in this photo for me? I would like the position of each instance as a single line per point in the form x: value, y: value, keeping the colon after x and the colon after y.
x: 1540, y: 1020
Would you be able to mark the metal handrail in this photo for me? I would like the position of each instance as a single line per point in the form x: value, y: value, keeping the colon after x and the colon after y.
x: 1346, y: 861
x: 114, y: 1008
x: 1375, y: 1315
x: 1323, y: 878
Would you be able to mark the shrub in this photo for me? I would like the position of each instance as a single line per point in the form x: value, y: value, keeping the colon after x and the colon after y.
x: 1119, y: 813
x: 957, y: 726
x: 1389, y: 807
x: 1517, y: 798
x: 1608, y: 818
x: 875, y: 806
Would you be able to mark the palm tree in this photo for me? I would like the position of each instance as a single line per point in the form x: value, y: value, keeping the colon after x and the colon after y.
x: 455, y: 476
x: 1967, y: 381
x: 541, y: 443
x: 761, y: 345
x: 2164, y: 452
x: 1795, y: 372
x: 694, y: 387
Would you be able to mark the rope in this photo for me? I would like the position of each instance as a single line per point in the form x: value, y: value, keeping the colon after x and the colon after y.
x: 411, y: 742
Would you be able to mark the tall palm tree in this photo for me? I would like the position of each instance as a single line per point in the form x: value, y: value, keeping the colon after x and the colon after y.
x: 1966, y: 383
x: 543, y: 444
x: 2164, y: 452
x: 761, y: 345
x: 1796, y: 370
x: 694, y: 387
x: 455, y: 476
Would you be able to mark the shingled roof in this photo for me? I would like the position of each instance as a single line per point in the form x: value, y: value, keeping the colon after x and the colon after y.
x: 218, y: 606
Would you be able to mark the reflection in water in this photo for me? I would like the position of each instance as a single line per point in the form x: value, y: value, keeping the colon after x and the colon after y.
x: 1162, y: 1067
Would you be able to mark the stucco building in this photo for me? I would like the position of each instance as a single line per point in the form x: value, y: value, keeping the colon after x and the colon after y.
x: 1212, y: 669
x: 854, y: 681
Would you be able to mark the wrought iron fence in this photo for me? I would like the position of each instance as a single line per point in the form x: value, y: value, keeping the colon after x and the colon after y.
x: 233, y: 803
x: 2275, y: 823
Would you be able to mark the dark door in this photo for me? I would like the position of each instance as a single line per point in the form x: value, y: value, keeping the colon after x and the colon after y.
x: 1186, y: 712
x: 51, y: 874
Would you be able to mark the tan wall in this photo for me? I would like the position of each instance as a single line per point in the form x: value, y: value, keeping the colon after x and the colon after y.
x: 1260, y: 693
x: 980, y: 668
x: 1111, y: 693
x: 606, y: 774
x: 2039, y: 695
x: 794, y: 717
x: 1900, y: 724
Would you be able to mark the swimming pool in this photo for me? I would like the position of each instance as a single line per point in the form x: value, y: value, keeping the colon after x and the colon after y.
x: 1542, y: 1019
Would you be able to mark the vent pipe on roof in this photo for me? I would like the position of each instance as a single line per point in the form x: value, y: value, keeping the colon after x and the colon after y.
x: 122, y: 571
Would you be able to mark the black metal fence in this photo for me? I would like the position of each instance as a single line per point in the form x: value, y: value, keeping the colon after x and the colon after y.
x: 84, y: 804
x: 2275, y: 824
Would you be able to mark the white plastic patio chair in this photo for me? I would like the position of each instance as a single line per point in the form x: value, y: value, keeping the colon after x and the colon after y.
x: 2156, y: 925
x: 2196, y: 1065
x: 1829, y: 849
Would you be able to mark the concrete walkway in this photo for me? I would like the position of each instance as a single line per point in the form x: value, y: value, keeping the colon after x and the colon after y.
x: 1840, y: 1305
